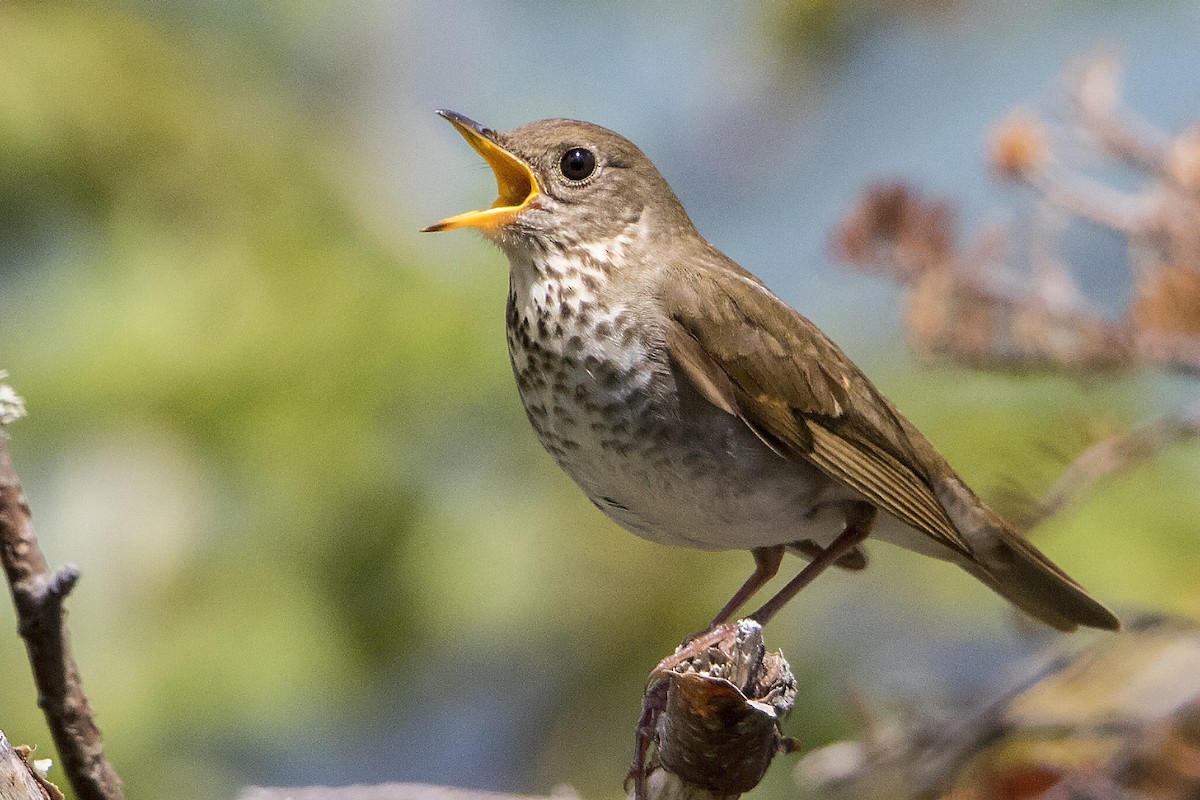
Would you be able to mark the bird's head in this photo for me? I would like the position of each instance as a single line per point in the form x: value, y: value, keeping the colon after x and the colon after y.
x: 565, y: 182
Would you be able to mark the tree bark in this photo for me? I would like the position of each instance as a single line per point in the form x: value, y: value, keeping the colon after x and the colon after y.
x: 38, y: 596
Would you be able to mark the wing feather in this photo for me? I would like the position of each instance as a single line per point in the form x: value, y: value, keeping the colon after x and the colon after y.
x: 755, y: 357
x: 885, y: 481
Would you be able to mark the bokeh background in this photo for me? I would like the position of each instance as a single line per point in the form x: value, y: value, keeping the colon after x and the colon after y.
x: 275, y: 426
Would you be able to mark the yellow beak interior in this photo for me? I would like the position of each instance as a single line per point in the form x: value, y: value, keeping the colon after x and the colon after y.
x: 515, y: 181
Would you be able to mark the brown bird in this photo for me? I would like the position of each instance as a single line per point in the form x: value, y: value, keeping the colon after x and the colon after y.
x: 696, y: 408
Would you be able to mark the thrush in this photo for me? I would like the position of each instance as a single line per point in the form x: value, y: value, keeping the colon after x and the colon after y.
x: 694, y: 407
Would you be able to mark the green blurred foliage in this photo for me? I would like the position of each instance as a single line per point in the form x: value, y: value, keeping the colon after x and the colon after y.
x: 285, y: 449
x: 190, y: 297
x: 287, y: 456
x: 1130, y: 538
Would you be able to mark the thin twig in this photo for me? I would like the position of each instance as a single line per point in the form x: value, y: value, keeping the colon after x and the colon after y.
x: 1094, y: 94
x: 38, y: 595
x: 1132, y: 213
x: 1116, y: 455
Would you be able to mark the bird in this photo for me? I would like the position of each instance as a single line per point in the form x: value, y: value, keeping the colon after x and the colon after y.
x: 696, y: 408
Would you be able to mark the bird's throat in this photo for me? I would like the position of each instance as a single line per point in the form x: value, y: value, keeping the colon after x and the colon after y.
x: 579, y: 356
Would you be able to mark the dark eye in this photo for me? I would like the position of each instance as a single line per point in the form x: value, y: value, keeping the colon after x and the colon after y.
x: 577, y: 163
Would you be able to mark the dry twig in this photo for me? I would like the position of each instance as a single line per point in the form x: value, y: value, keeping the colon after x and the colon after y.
x: 1115, y: 455
x: 38, y: 596
x: 969, y: 303
x: 1102, y: 723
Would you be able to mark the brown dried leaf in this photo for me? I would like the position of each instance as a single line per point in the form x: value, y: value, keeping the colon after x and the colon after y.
x: 895, y: 231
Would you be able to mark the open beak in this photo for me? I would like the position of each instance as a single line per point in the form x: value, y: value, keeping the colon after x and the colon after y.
x: 515, y: 181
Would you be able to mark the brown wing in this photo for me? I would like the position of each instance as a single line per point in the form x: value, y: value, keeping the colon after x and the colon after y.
x: 750, y: 354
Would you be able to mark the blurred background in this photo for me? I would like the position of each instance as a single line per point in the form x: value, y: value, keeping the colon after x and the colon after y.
x: 275, y: 427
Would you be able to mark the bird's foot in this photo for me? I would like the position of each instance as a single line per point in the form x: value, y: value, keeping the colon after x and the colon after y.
x: 654, y: 703
x: 694, y: 645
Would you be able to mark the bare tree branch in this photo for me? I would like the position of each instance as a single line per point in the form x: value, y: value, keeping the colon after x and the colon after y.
x: 1116, y: 455
x: 1093, y: 87
x: 1116, y: 720
x: 986, y: 313
x: 38, y: 596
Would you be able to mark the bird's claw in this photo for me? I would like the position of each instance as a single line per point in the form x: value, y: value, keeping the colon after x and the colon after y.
x: 694, y: 645
x: 654, y: 702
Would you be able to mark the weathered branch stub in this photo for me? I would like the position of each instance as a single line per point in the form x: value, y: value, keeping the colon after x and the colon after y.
x: 713, y: 717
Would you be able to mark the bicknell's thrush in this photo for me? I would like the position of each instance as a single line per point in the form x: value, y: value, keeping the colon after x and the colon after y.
x: 693, y: 406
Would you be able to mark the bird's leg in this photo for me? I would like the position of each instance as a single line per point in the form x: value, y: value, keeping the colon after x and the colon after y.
x: 859, y: 519
x: 766, y: 564
x: 654, y: 701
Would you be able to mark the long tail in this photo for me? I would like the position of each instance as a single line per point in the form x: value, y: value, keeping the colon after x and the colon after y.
x: 1016, y: 570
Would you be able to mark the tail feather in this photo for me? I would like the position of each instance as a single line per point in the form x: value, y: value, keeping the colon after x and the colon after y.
x: 1031, y: 582
x: 1016, y: 570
